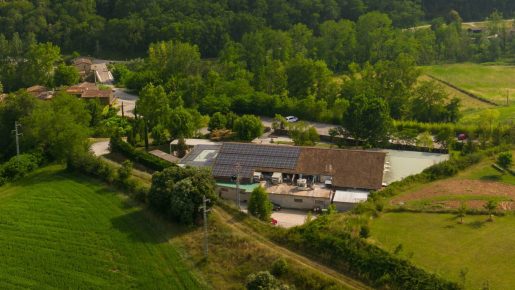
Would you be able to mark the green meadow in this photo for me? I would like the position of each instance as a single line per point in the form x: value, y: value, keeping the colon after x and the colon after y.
x: 476, y: 253
x: 61, y: 231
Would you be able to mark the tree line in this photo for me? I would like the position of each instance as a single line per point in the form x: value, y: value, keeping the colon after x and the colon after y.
x: 106, y: 27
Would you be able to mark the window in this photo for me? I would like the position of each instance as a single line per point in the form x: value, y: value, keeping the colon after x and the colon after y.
x: 319, y: 202
x: 297, y: 200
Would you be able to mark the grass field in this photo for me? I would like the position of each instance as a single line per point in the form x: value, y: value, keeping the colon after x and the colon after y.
x: 467, y: 103
x: 488, y: 81
x: 438, y: 243
x: 60, y: 231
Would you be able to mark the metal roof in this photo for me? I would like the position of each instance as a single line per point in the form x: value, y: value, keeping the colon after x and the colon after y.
x: 201, y: 156
x: 350, y: 196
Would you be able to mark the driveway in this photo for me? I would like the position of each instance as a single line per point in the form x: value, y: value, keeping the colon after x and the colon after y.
x: 322, y: 128
x: 127, y: 100
x: 286, y: 218
x: 100, y: 148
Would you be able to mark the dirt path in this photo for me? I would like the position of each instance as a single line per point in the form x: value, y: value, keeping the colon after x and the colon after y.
x: 281, y: 251
x: 460, y: 187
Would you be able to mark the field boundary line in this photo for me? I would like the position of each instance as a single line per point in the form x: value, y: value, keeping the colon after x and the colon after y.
x: 474, y: 96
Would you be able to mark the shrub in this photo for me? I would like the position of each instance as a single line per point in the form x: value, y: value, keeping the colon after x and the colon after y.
x: 19, y: 166
x: 505, y: 160
x: 364, y: 232
x: 259, y: 204
x: 262, y: 281
x: 125, y: 171
x: 279, y: 267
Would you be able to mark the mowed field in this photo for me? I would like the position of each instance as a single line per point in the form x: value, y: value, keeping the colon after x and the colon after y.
x: 60, y: 231
x: 491, y: 82
x: 483, y: 250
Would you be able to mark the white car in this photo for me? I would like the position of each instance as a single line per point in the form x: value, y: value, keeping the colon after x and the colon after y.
x: 291, y: 119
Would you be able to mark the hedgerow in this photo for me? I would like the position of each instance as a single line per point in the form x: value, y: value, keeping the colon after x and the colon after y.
x: 353, y: 255
x: 144, y: 158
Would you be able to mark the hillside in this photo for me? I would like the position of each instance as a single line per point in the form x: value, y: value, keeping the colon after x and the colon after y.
x: 68, y: 232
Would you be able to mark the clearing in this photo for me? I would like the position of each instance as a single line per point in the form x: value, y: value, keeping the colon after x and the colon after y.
x: 436, y: 242
x: 58, y: 230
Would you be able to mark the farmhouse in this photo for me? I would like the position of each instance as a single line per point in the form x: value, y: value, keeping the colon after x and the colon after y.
x: 87, y: 90
x: 83, y: 65
x: 297, y: 177
x: 41, y: 92
x: 102, y: 74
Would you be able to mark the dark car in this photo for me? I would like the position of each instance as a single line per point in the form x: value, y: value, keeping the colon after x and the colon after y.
x: 276, y: 207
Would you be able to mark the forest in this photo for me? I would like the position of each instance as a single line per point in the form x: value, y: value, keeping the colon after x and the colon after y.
x: 109, y: 27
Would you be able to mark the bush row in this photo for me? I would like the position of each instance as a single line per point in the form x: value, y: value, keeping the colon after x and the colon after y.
x: 148, y: 160
x: 18, y: 167
x: 354, y: 255
x: 88, y: 164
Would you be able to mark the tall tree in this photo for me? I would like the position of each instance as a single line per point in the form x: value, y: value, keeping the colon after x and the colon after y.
x: 368, y: 119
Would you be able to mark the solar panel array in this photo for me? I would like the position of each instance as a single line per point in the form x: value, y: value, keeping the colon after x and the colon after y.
x: 251, y: 156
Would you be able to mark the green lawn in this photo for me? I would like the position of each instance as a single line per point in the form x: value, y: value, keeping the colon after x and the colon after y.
x: 60, y: 231
x: 488, y: 81
x: 488, y: 173
x: 439, y: 244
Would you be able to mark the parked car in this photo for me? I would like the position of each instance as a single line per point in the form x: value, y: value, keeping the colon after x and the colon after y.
x: 276, y: 207
x: 273, y: 222
x: 291, y: 119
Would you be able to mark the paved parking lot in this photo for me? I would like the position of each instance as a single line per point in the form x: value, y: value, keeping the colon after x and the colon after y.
x: 286, y: 218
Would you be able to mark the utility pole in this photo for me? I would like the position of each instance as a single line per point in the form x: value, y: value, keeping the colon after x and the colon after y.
x: 206, y: 235
x: 123, y: 111
x: 237, y: 167
x: 17, y: 134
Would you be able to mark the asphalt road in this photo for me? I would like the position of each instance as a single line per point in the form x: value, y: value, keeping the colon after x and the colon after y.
x: 127, y: 100
x: 322, y: 129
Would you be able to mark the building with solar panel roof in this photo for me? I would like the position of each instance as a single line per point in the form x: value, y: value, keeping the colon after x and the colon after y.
x: 297, y: 177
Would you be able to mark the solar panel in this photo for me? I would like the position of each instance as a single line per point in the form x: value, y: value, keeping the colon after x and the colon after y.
x: 250, y: 156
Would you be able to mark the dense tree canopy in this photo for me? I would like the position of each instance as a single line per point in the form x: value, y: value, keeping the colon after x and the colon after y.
x: 109, y: 27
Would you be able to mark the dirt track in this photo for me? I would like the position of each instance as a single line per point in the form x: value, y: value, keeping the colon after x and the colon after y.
x: 346, y: 282
x: 462, y: 187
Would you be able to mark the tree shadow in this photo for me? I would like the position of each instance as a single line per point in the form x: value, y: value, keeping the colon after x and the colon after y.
x: 476, y: 224
x: 143, y: 226
x: 491, y: 178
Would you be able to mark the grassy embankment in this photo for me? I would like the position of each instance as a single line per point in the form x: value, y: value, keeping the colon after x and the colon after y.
x: 438, y: 243
x: 492, y: 82
x: 59, y: 230
x: 62, y: 231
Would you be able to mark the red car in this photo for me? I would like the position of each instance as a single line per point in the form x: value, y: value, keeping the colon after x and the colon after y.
x: 273, y: 222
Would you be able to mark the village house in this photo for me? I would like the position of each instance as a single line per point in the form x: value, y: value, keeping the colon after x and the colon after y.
x: 94, y: 72
x: 41, y: 92
x: 89, y: 91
